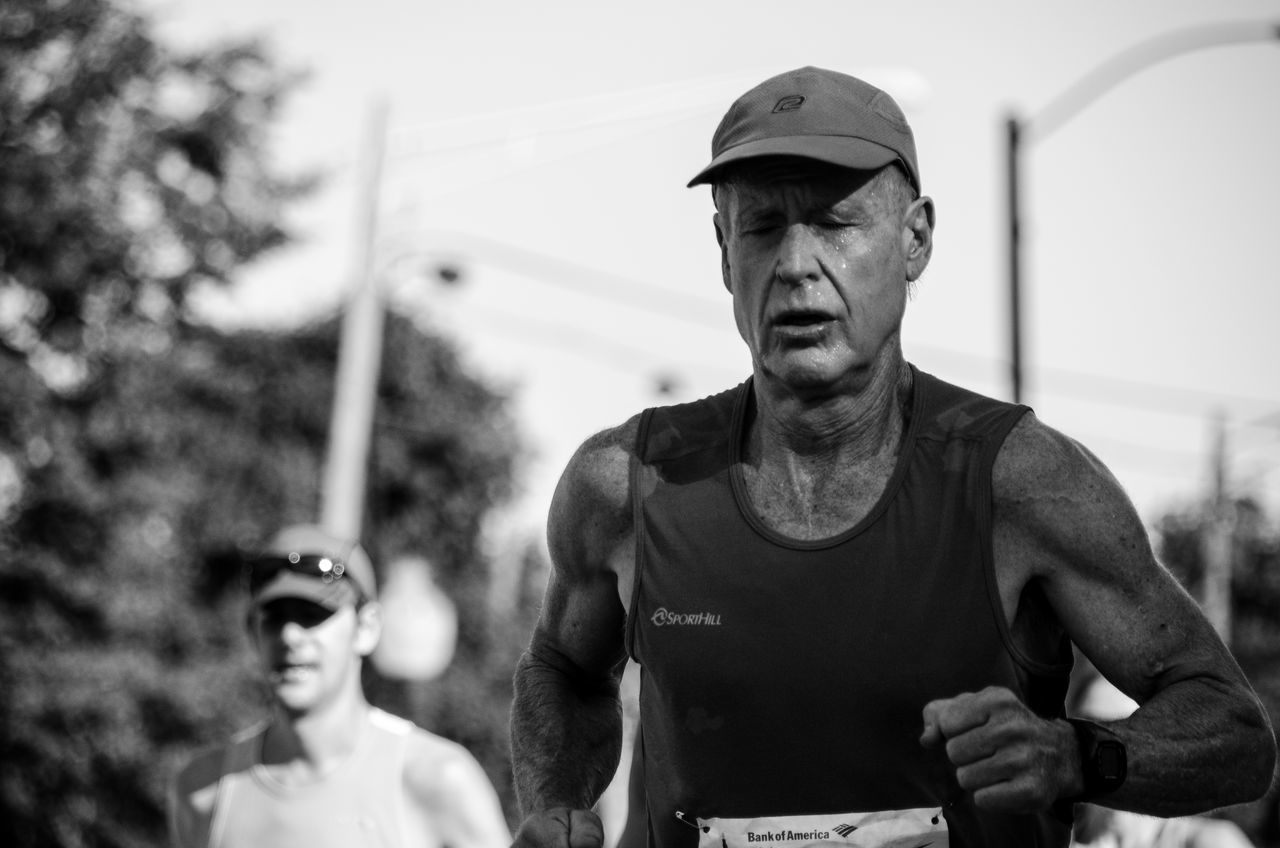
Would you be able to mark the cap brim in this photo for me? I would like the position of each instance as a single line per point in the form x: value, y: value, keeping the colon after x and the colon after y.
x: 844, y: 151
x: 287, y: 584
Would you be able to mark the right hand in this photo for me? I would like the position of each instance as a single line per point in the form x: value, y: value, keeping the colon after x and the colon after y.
x: 560, y: 827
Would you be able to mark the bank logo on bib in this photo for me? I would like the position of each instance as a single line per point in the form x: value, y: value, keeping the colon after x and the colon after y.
x: 916, y: 828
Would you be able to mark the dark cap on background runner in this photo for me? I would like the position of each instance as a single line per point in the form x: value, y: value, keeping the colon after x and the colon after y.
x: 305, y: 561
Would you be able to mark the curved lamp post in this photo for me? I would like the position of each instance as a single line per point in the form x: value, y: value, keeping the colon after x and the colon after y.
x: 1021, y: 132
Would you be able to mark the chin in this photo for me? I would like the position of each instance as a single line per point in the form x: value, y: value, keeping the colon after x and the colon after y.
x: 806, y: 373
x: 293, y: 701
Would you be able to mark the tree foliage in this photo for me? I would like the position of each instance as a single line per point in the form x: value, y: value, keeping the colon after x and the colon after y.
x: 122, y: 637
x: 140, y: 451
x: 130, y: 175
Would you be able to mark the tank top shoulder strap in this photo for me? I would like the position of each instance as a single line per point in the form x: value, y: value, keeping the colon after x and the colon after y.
x: 385, y: 748
x: 387, y: 753
x: 390, y: 724
x: 669, y: 432
x: 950, y: 411
x: 666, y: 435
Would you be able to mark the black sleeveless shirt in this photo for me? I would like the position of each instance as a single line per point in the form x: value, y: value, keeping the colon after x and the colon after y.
x: 787, y: 678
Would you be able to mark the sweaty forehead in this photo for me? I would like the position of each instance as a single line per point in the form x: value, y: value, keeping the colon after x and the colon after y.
x: 776, y: 181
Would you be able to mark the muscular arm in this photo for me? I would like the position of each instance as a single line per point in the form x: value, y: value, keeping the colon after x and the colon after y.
x: 566, y: 718
x: 1200, y: 738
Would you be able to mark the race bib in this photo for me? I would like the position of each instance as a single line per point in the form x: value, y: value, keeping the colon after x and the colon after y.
x: 889, y: 829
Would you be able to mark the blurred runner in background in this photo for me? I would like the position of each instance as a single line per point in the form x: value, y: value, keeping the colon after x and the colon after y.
x: 327, y: 768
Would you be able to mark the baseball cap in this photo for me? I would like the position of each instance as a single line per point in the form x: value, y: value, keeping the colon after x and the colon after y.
x: 306, y: 561
x: 817, y: 114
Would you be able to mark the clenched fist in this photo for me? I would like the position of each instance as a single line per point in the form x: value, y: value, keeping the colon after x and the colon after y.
x: 1005, y: 755
x: 560, y: 827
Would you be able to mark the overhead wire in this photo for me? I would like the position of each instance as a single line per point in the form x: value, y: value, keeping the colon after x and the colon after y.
x: 673, y: 303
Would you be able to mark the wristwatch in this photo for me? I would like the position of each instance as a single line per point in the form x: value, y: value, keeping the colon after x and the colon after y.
x: 1103, y: 759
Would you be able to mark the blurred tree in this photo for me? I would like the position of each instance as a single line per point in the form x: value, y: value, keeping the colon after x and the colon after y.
x: 122, y: 644
x: 129, y: 177
x: 1255, y: 628
x: 140, y: 451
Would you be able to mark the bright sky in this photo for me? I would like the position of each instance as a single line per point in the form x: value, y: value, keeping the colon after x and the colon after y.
x: 544, y: 148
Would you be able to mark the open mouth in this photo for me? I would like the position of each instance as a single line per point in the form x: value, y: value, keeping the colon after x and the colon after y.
x: 801, y: 321
x: 292, y: 672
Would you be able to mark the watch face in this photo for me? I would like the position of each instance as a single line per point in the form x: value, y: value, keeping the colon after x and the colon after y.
x: 1110, y: 760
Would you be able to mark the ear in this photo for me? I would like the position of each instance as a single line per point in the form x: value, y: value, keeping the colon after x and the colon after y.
x: 368, y: 628
x: 917, y: 236
x: 722, y: 240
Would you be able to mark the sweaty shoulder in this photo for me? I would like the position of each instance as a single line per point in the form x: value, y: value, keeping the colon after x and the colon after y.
x: 451, y: 795
x: 591, y: 509
x: 433, y: 765
x: 1038, y: 463
x: 1058, y: 501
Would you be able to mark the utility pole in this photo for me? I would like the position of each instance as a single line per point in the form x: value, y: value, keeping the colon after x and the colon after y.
x: 359, y: 354
x: 1218, y: 543
x: 1013, y: 162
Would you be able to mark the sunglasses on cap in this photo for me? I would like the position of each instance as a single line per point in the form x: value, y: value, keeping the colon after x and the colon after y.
x: 327, y: 569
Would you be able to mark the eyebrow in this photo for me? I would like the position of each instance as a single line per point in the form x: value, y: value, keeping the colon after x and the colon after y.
x: 847, y: 207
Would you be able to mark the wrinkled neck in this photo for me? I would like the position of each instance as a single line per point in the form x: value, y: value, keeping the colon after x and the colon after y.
x: 848, y: 428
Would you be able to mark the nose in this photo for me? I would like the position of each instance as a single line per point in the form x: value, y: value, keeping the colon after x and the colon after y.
x: 797, y: 261
x: 292, y: 632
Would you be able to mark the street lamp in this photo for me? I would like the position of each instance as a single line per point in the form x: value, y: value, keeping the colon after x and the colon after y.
x: 1021, y: 132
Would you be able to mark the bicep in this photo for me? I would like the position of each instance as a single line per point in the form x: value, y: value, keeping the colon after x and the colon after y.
x: 1076, y: 533
x: 588, y: 534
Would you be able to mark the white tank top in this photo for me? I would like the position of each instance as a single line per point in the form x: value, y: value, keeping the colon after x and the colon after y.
x: 359, y: 804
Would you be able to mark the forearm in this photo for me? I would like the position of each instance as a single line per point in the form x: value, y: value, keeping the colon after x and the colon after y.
x: 566, y: 734
x: 1195, y: 746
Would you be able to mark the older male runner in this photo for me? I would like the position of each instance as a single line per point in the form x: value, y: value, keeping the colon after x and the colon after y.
x: 851, y: 587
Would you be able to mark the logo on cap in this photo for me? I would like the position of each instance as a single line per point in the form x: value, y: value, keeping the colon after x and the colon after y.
x: 790, y: 103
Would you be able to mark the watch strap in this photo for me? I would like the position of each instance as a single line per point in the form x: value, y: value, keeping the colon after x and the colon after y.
x: 1104, y: 762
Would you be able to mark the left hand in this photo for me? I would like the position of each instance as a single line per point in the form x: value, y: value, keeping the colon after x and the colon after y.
x: 1006, y: 756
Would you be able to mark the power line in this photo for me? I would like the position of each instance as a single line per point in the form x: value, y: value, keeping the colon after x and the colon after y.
x: 671, y: 303
x: 589, y: 345
x: 581, y: 279
x: 1127, y: 459
x: 1122, y: 391
x: 541, y: 160
x: 523, y: 134
x: 655, y: 100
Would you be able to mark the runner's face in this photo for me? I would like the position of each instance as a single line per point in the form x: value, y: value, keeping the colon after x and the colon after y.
x: 816, y: 260
x: 308, y: 652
